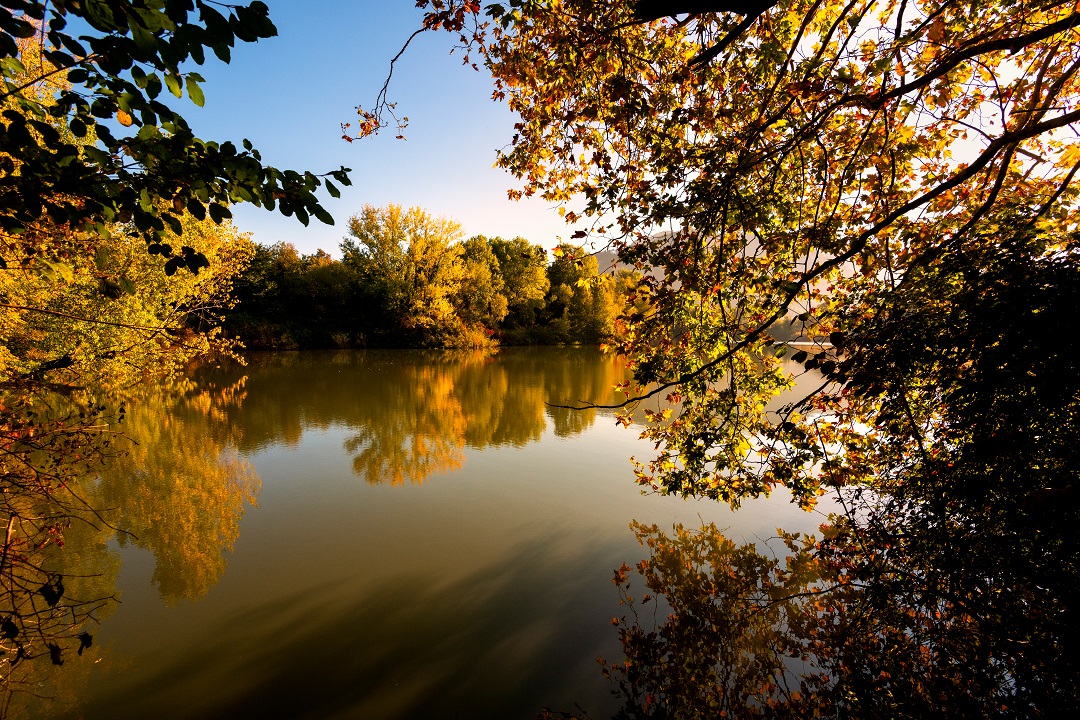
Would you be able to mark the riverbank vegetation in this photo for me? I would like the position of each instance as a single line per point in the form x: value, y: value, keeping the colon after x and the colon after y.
x: 897, y: 175
x: 407, y: 279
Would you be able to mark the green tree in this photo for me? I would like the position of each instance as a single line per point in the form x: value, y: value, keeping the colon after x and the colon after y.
x: 128, y: 52
x: 581, y: 306
x: 481, y: 299
x: 376, y: 252
x: 414, y: 263
x: 523, y: 267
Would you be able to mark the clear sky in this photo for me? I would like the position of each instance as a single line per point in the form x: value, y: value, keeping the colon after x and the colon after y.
x: 290, y: 94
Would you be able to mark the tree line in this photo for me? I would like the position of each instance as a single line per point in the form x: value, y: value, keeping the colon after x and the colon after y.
x: 408, y: 279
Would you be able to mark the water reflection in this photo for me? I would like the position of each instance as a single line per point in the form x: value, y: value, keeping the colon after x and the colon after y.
x: 914, y: 621
x: 398, y: 648
x: 413, y: 413
x: 485, y: 596
x: 180, y: 489
x: 78, y: 480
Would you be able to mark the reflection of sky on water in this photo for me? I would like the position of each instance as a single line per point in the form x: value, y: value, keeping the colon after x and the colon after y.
x: 485, y: 591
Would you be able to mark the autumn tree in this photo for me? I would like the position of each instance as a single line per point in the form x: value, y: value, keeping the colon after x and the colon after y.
x: 413, y: 262
x: 482, y: 298
x: 87, y: 312
x: 897, y: 176
x: 815, y: 156
x: 523, y: 267
x: 581, y: 303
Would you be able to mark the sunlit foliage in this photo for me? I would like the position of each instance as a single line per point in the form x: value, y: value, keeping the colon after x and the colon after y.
x: 777, y: 160
x: 891, y: 182
x: 406, y: 279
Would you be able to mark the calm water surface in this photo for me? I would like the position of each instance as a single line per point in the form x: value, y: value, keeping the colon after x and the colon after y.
x: 429, y: 538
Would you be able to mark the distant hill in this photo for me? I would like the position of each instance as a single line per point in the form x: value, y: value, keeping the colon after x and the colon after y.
x: 609, y: 264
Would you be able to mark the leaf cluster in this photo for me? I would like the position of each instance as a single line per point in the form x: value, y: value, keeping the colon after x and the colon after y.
x: 105, y: 60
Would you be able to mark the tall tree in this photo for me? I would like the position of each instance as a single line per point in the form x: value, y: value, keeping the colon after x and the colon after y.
x: 524, y: 270
x: 481, y: 299
x: 414, y: 260
x: 582, y: 302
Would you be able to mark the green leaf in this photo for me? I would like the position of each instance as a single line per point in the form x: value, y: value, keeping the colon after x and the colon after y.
x: 195, y: 92
x: 172, y: 81
x: 127, y: 285
x: 153, y: 85
x: 144, y: 40
x: 196, y: 208
x: 100, y: 14
x: 218, y: 213
x: 173, y: 223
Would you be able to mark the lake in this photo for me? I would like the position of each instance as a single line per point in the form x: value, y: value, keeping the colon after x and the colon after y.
x: 373, y: 534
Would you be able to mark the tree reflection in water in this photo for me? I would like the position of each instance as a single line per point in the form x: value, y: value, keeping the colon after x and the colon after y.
x: 910, y: 604
x: 56, y: 580
x: 420, y: 419
x: 412, y: 413
x: 894, y: 611
x: 180, y: 489
x: 170, y: 478
x: 167, y: 479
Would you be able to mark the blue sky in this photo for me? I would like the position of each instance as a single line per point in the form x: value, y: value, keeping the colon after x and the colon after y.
x: 290, y: 94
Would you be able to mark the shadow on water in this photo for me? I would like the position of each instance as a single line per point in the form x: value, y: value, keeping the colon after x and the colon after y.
x: 919, y: 621
x: 405, y: 649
